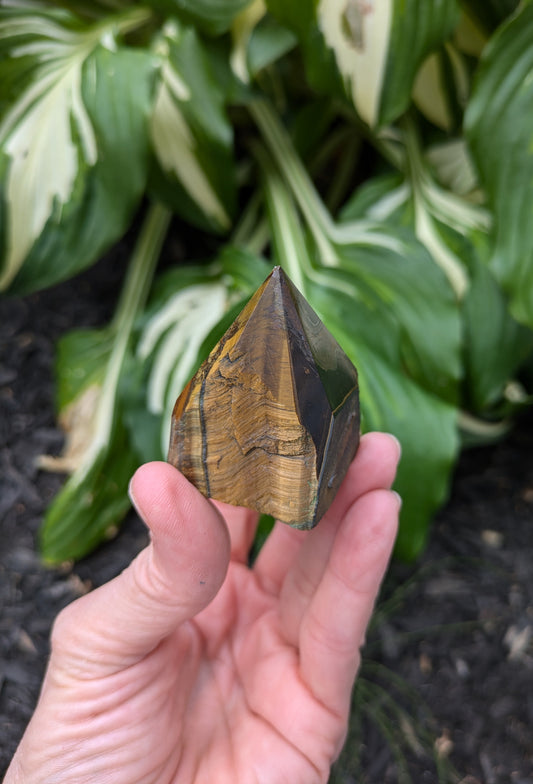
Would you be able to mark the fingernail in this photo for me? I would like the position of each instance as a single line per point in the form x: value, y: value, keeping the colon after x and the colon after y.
x: 132, y: 498
x: 400, y: 499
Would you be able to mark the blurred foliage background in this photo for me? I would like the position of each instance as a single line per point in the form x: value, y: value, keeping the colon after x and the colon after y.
x: 381, y: 152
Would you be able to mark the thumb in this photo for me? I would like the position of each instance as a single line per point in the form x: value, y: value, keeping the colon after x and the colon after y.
x: 168, y: 583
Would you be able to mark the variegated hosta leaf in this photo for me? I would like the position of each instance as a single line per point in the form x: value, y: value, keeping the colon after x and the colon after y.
x: 418, y: 28
x: 412, y: 317
x: 495, y: 345
x: 84, y: 514
x: 300, y: 17
x: 394, y: 314
x: 377, y: 45
x: 426, y: 426
x: 72, y: 143
x: 257, y: 41
x: 82, y: 357
x: 241, y: 31
x: 391, y: 399
x: 91, y: 367
x: 499, y: 129
x: 436, y: 213
x: 393, y: 200
x: 189, y: 304
x: 178, y: 330
x: 359, y: 33
x: 191, y: 136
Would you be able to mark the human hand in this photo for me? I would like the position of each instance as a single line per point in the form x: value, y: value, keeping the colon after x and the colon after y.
x: 191, y: 667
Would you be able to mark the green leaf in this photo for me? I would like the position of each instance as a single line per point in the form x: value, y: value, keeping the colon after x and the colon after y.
x: 298, y: 16
x: 427, y: 429
x: 392, y: 310
x: 377, y: 47
x: 321, y: 68
x: 418, y: 28
x: 392, y: 402
x: 211, y: 16
x: 191, y: 135
x: 443, y: 219
x: 241, y: 30
x: 87, y: 512
x: 496, y: 345
x: 80, y: 362
x: 442, y: 87
x: 73, y: 145
x: 268, y: 42
x: 409, y: 287
x: 383, y: 197
x: 258, y: 40
x: 99, y: 453
x: 499, y: 128
x: 407, y: 296
x: 143, y: 425
x: 80, y: 369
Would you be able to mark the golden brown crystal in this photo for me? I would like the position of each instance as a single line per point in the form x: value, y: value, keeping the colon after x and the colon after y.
x: 271, y: 419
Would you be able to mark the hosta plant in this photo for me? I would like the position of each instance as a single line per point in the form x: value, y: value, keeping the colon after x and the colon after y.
x: 380, y: 151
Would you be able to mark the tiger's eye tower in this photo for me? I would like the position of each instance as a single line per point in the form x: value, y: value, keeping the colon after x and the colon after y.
x: 271, y: 419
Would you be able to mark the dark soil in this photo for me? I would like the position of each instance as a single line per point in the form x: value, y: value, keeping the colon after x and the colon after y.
x: 460, y: 631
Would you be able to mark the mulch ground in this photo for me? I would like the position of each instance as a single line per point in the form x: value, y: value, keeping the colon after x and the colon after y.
x: 452, y: 643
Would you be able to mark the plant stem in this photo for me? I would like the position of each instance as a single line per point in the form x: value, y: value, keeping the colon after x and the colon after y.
x: 132, y: 298
x: 478, y: 428
x: 287, y: 234
x: 251, y: 232
x: 326, y: 233
x: 424, y: 224
x: 142, y: 265
x: 259, y: 239
x: 317, y: 216
x: 283, y: 218
x: 342, y: 179
x: 283, y: 152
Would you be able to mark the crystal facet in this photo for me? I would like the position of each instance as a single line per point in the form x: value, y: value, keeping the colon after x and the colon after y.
x: 270, y: 421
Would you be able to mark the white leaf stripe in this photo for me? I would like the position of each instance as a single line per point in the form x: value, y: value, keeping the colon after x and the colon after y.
x: 38, y: 134
x: 174, y: 337
x: 48, y: 132
x: 176, y: 147
x: 55, y: 51
x: 44, y: 162
x: 359, y: 32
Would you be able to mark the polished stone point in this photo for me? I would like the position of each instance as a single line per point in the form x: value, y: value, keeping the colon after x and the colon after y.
x: 270, y: 421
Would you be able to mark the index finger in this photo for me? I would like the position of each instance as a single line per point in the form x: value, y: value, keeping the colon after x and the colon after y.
x: 242, y: 525
x: 333, y: 628
x: 301, y: 557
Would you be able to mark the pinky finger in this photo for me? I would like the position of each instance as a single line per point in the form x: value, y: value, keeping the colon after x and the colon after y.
x: 335, y: 623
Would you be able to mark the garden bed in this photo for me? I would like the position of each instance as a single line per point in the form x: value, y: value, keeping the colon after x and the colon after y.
x: 461, y: 633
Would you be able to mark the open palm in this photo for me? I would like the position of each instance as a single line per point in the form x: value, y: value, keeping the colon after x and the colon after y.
x: 192, y: 667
